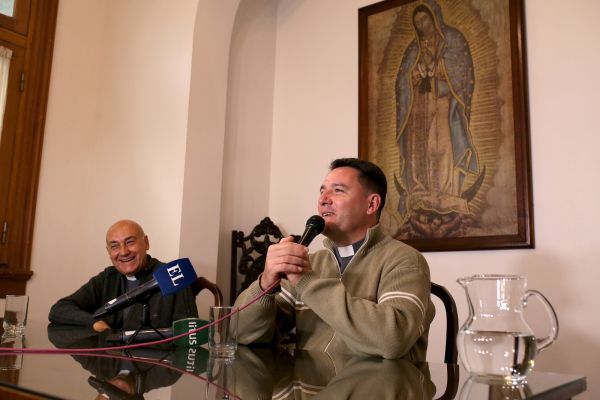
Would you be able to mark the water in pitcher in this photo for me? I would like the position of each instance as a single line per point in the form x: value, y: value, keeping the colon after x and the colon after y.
x: 496, y: 343
x: 499, y: 356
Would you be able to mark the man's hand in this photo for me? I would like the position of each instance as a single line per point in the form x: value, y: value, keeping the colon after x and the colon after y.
x: 285, y: 258
x: 100, y: 326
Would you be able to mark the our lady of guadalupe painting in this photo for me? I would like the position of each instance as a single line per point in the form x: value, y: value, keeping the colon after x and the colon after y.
x: 443, y: 111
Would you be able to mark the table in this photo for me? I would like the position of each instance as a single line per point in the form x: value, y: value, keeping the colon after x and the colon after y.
x: 257, y: 372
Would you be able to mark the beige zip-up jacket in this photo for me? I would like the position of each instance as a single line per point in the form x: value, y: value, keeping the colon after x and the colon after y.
x: 379, y: 306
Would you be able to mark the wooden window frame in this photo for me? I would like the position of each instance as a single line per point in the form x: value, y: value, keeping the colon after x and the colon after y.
x: 33, y: 29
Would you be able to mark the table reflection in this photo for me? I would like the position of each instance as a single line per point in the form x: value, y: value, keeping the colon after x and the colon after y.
x: 255, y: 373
x: 123, y: 375
x: 264, y: 373
x: 362, y: 378
x: 11, y: 362
x: 260, y: 372
x: 478, y: 389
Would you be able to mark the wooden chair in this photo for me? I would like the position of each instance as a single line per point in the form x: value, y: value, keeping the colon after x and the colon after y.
x: 451, y: 352
x: 248, y: 254
x: 202, y: 283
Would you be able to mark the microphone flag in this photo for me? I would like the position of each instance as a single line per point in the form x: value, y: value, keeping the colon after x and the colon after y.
x: 175, y: 276
x: 191, y: 359
x: 187, y: 325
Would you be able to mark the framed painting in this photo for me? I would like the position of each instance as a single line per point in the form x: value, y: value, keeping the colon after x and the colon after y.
x: 443, y: 110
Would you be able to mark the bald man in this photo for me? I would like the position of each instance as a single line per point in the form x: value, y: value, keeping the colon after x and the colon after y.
x: 127, y: 246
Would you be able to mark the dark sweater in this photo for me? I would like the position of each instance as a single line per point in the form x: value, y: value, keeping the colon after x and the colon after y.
x: 79, y: 307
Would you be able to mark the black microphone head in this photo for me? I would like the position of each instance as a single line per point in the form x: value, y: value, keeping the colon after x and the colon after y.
x: 316, y: 222
x: 314, y: 226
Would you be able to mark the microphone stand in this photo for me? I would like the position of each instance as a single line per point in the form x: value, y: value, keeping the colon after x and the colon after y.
x: 145, y: 322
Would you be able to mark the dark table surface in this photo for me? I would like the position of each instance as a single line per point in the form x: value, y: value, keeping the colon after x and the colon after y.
x: 256, y: 373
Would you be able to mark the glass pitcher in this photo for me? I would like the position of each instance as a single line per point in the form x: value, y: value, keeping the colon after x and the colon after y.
x: 495, y: 343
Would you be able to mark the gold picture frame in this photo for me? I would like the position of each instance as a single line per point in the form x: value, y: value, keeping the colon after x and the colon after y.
x: 443, y: 110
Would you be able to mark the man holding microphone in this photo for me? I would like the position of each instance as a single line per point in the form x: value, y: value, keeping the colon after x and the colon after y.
x: 365, y: 294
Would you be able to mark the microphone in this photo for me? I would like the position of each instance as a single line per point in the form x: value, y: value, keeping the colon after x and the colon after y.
x: 314, y: 226
x: 168, y: 279
x: 144, y: 335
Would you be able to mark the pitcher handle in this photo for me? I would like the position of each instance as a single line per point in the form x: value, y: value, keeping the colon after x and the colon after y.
x: 542, y: 343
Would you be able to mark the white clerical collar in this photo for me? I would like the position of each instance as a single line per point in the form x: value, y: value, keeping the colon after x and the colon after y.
x: 131, y: 278
x: 346, y: 251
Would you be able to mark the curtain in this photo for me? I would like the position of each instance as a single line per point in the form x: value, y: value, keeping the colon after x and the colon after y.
x: 5, y: 56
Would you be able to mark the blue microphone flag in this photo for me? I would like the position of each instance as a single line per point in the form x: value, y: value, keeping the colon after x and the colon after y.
x: 175, y: 276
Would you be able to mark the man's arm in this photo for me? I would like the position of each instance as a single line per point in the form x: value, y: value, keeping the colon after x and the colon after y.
x: 273, y: 315
x: 266, y: 320
x: 78, y: 308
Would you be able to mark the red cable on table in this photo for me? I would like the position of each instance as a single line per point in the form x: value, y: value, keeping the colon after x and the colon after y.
x: 132, y: 346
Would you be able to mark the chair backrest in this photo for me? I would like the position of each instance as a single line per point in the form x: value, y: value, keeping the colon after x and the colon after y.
x: 202, y: 283
x: 451, y: 353
x: 248, y: 254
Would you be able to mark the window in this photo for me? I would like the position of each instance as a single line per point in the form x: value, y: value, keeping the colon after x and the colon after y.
x: 26, y: 37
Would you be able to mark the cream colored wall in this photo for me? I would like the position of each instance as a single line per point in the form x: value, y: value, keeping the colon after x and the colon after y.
x: 115, y: 137
x: 248, y: 130
x: 205, y: 140
x: 115, y: 140
x: 315, y: 120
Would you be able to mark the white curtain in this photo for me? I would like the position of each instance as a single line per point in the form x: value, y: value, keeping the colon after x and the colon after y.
x: 5, y: 56
x: 7, y: 7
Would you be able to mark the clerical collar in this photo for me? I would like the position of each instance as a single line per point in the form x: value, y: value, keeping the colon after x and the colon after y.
x: 345, y: 253
x: 131, y: 278
x: 350, y: 250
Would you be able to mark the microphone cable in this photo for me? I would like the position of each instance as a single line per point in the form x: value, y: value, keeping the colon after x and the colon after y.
x: 314, y: 226
x: 28, y: 350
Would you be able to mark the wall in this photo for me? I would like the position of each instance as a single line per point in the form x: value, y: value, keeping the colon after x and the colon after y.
x: 115, y: 140
x: 115, y: 137
x: 205, y: 139
x: 248, y: 129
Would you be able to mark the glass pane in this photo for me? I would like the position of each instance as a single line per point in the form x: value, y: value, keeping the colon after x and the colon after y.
x: 7, y: 7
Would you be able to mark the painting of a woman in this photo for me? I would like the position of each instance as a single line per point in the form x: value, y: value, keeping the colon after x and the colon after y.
x: 434, y: 89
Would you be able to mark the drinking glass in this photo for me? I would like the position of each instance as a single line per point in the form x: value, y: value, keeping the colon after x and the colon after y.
x: 222, y: 335
x: 15, y: 315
